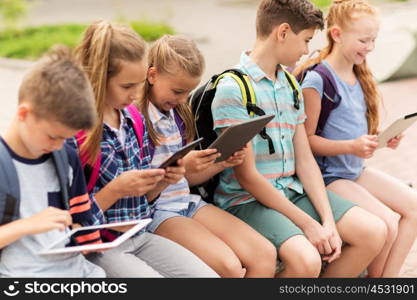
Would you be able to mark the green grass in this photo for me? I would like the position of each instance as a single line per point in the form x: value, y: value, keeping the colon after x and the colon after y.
x: 30, y: 43
x: 322, y: 3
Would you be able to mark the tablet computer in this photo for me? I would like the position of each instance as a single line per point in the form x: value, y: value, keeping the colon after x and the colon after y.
x: 237, y: 136
x: 395, y: 129
x: 137, y: 225
x: 172, y: 160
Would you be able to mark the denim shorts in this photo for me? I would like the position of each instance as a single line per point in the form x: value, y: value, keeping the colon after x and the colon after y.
x: 160, y: 216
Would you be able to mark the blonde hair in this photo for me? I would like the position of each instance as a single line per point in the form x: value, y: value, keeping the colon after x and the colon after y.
x: 103, y: 47
x: 168, y: 54
x: 59, y: 90
x: 341, y: 13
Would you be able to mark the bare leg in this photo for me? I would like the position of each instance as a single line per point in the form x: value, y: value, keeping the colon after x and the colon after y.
x: 300, y: 258
x: 257, y: 254
x: 403, y: 200
x: 365, y: 236
x: 358, y: 194
x: 199, y: 240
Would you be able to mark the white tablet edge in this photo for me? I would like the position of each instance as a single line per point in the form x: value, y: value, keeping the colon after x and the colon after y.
x: 383, y: 143
x: 126, y: 235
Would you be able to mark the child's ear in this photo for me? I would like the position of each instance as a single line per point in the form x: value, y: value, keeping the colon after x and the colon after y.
x: 23, y: 111
x: 282, y: 31
x: 335, y: 33
x: 152, y: 74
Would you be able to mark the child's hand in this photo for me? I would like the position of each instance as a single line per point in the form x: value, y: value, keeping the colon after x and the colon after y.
x: 236, y: 159
x: 364, y: 146
x: 319, y: 236
x: 137, y: 182
x: 199, y: 160
x: 175, y: 173
x: 49, y: 219
x: 395, y: 142
x: 335, y: 243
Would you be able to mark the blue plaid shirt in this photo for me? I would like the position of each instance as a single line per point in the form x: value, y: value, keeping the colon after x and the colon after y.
x: 116, y: 159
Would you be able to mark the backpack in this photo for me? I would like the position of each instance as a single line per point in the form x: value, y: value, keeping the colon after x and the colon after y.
x: 9, y: 183
x: 91, y: 172
x: 331, y: 97
x: 201, y: 101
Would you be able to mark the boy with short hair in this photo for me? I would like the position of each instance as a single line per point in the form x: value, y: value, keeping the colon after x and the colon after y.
x: 55, y: 101
x: 279, y: 190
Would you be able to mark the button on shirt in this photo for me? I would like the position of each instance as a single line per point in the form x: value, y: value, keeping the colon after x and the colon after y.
x: 274, y: 98
x: 175, y: 197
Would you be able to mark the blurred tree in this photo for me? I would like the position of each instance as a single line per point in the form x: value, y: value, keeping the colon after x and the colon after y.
x: 12, y: 12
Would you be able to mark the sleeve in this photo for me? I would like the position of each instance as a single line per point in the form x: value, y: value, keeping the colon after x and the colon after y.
x: 80, y: 203
x: 313, y: 80
x: 227, y: 107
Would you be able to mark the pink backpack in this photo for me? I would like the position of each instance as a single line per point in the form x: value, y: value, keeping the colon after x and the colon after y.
x: 80, y: 136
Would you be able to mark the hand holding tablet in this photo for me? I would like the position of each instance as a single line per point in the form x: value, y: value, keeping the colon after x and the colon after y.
x: 136, y: 226
x: 395, y: 129
x: 172, y: 160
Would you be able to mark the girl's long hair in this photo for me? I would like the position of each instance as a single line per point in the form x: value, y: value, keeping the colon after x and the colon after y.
x: 103, y: 47
x: 341, y: 13
x: 167, y: 55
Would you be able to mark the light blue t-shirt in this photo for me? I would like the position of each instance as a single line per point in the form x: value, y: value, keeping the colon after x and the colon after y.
x: 346, y: 122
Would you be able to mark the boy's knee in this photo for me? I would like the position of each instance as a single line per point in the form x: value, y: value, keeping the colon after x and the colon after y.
x: 307, y: 264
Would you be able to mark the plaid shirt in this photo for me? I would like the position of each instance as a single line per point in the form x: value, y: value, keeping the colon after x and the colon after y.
x: 116, y: 159
x: 274, y: 98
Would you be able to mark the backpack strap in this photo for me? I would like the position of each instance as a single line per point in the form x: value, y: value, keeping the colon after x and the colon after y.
x: 93, y: 170
x: 9, y: 188
x: 60, y: 158
x: 248, y: 99
x: 295, y: 91
x: 331, y: 97
x: 137, y: 125
x: 181, y: 126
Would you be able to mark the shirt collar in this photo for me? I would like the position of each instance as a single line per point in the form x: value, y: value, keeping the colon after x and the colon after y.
x: 155, y: 115
x: 252, y: 69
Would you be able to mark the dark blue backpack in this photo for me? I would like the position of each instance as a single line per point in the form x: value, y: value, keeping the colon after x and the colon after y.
x: 9, y: 183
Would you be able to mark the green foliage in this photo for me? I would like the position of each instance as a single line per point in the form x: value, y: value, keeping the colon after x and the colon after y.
x: 12, y: 12
x: 322, y: 3
x: 32, y: 42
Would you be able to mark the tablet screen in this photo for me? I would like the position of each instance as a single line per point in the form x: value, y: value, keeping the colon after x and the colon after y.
x: 172, y: 160
x: 235, y: 137
x: 137, y: 226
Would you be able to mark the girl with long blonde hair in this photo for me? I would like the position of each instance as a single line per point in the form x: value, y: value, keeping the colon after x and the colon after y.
x: 115, y: 60
x: 228, y: 245
x: 350, y: 133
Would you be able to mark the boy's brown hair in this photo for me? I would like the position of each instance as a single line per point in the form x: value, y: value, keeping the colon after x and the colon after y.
x: 59, y: 90
x: 299, y: 14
